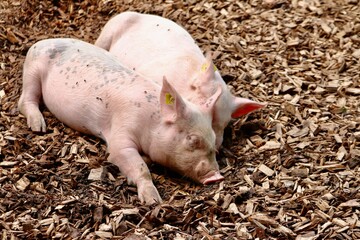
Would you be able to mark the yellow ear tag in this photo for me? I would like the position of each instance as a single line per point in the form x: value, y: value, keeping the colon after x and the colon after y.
x: 205, y: 66
x: 215, y: 68
x: 169, y: 99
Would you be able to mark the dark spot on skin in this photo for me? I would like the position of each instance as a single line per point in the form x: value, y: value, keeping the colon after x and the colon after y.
x: 73, y: 87
x: 96, y: 87
x: 61, y: 71
x: 55, y: 51
x: 150, y: 97
x: 133, y: 79
x: 101, y: 85
x: 106, y: 105
x: 168, y: 29
x: 193, y: 87
x: 77, y: 83
x: 99, y: 98
x: 133, y: 69
x: 84, y: 80
x: 66, y: 83
x: 87, y: 65
x: 78, y: 50
x: 145, y: 92
x: 157, y: 25
x: 155, y: 115
x: 68, y: 69
x: 128, y: 71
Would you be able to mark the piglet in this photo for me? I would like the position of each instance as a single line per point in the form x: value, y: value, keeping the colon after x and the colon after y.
x: 89, y: 90
x: 156, y: 46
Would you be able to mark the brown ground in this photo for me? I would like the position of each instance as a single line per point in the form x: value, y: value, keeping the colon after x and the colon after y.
x: 292, y: 170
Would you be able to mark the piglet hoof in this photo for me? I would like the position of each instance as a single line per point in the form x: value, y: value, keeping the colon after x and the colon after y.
x: 36, y: 122
x: 148, y: 193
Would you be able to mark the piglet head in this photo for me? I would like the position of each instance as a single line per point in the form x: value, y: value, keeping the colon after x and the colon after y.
x: 226, y: 106
x: 186, y: 141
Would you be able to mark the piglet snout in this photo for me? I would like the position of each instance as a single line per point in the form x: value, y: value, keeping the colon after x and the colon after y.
x: 212, y: 178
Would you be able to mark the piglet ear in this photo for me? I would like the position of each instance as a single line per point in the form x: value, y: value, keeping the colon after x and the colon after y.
x: 206, y: 73
x: 208, y: 68
x: 242, y: 106
x: 209, y: 104
x: 172, y: 105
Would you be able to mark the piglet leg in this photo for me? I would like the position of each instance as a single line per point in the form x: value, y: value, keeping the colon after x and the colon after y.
x: 30, y: 98
x: 135, y: 169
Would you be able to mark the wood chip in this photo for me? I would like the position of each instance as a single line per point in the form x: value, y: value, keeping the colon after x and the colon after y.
x: 22, y: 183
x: 266, y: 170
x: 356, y: 53
x: 2, y: 93
x: 270, y: 145
x: 300, y: 172
x: 8, y: 163
x: 104, y: 235
x: 350, y: 203
x: 97, y: 174
x: 233, y: 209
x: 354, y: 91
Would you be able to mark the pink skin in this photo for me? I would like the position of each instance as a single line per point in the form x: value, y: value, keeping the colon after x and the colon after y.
x: 155, y: 46
x: 214, y: 177
x: 86, y: 88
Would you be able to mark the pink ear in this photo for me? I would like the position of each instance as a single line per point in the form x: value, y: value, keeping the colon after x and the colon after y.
x: 171, y: 104
x: 206, y: 73
x: 244, y: 106
x: 209, y: 103
x: 209, y: 67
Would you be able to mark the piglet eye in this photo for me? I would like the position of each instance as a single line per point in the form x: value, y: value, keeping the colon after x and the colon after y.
x: 194, y: 142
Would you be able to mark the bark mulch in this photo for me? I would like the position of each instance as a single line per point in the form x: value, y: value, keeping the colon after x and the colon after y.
x: 292, y: 169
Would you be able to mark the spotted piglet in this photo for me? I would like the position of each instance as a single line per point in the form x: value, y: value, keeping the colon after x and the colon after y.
x: 89, y: 90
